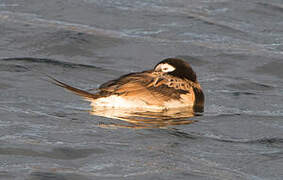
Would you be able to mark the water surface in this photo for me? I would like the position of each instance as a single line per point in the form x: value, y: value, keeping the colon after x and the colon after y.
x: 235, y: 47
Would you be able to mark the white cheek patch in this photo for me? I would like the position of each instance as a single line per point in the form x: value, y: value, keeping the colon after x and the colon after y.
x: 165, y: 67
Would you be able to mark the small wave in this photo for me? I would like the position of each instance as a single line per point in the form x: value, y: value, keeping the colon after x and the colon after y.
x: 8, y: 5
x: 266, y: 141
x: 49, y: 61
x: 219, y: 110
x: 13, y: 68
x: 271, y: 141
x: 275, y: 141
x: 237, y: 45
x: 13, y: 109
x: 56, y: 153
x: 272, y: 6
x: 33, y: 19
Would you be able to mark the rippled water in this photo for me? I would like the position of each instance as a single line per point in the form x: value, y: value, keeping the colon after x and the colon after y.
x: 234, y: 46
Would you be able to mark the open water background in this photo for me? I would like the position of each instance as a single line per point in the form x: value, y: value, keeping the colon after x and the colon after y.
x: 235, y: 47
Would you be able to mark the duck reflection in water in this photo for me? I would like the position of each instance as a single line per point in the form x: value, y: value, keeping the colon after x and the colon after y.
x: 140, y: 119
x: 165, y: 95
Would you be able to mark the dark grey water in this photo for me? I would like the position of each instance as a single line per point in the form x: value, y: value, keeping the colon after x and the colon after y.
x: 234, y: 46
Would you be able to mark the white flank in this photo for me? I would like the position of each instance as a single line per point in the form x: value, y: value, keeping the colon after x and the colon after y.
x: 115, y: 101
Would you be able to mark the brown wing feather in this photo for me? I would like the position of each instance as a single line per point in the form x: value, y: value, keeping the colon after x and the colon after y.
x: 148, y: 86
x: 128, y: 82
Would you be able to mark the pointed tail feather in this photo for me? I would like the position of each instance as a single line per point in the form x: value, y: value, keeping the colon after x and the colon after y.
x: 85, y: 94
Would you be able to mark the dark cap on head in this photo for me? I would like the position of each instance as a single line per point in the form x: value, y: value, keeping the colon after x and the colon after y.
x: 183, y: 69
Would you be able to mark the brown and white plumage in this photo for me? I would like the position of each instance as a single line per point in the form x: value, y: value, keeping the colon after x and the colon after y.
x: 171, y: 84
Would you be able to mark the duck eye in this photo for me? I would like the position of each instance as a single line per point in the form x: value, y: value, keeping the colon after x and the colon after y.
x: 165, y: 69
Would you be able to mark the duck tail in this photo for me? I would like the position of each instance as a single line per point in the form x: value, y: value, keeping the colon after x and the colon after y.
x: 85, y: 94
